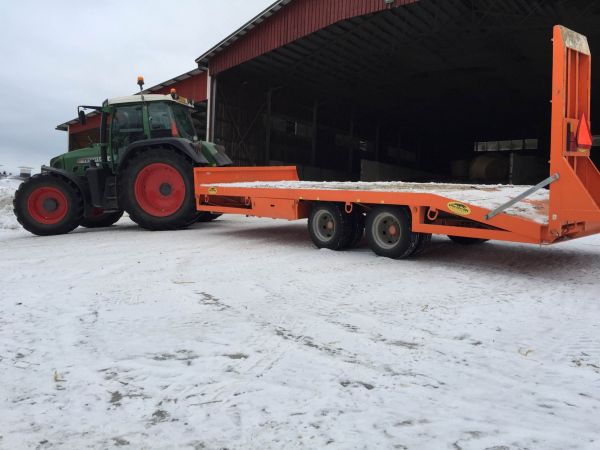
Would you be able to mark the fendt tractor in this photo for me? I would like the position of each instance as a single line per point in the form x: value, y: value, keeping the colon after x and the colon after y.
x: 143, y: 164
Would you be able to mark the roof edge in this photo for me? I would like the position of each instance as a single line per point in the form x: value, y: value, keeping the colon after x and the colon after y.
x: 170, y: 82
x: 202, y: 60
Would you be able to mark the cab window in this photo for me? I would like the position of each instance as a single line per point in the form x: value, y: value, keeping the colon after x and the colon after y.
x: 127, y: 126
x: 159, y: 116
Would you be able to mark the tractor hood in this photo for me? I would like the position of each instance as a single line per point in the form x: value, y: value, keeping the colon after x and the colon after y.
x: 83, y: 156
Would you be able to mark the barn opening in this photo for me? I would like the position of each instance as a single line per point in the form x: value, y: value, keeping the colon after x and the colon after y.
x: 435, y: 90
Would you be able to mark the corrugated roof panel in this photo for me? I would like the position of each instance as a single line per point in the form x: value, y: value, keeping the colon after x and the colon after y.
x: 294, y: 19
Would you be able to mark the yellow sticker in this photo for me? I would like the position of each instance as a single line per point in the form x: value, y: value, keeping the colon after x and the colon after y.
x: 459, y: 208
x: 212, y: 191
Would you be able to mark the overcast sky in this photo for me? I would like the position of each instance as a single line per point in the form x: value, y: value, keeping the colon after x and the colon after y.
x: 58, y: 54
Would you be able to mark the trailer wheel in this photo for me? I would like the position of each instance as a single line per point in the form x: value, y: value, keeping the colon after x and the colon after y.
x: 329, y: 226
x: 207, y: 216
x: 48, y: 205
x: 424, y: 241
x: 467, y: 241
x: 100, y: 219
x: 389, y: 232
x: 357, y: 220
x: 158, y: 190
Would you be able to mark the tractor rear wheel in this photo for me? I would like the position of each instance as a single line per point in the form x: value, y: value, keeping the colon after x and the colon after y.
x: 47, y: 205
x: 158, y: 190
x: 100, y: 219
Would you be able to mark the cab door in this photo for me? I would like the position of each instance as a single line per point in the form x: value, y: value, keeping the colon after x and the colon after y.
x: 127, y: 127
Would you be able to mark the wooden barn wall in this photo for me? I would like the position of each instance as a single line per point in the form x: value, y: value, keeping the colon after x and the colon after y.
x: 299, y: 18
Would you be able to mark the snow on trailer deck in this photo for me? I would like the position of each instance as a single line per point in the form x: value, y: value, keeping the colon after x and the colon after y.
x: 534, y: 208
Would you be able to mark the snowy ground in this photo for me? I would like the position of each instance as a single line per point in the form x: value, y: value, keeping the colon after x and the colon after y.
x: 239, y: 334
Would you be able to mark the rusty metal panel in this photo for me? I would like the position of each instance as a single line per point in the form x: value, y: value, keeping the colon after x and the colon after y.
x: 298, y: 19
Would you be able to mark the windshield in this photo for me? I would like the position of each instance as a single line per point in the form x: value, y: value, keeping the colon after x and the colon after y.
x: 169, y: 119
x: 183, y: 119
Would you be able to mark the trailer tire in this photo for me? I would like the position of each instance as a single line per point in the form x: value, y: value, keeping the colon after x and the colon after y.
x: 467, y: 241
x: 389, y: 232
x: 100, y: 219
x: 47, y: 205
x: 158, y: 190
x: 424, y: 241
x: 204, y: 217
x: 357, y: 219
x: 329, y: 226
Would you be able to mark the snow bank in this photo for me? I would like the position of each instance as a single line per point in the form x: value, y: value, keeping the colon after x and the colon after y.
x: 8, y: 186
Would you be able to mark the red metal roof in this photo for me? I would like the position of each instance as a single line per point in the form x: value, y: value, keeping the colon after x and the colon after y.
x: 293, y: 20
x: 191, y: 85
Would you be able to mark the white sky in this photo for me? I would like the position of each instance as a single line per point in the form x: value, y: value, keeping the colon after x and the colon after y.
x: 59, y: 54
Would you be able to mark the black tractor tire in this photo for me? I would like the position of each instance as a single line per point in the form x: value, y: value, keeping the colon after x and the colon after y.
x: 467, y: 241
x: 204, y: 217
x: 101, y: 219
x: 47, y: 205
x: 157, y: 190
x: 389, y: 232
x: 329, y: 226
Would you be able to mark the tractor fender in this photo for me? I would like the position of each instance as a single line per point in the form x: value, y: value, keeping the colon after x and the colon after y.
x: 77, y: 181
x: 187, y: 148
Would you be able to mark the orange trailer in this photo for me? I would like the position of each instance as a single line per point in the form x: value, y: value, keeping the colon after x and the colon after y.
x: 399, y: 218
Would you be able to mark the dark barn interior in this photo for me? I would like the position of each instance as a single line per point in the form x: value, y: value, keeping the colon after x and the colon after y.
x: 414, y: 88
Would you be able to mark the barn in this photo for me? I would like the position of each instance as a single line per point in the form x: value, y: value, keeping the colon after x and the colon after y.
x: 385, y: 89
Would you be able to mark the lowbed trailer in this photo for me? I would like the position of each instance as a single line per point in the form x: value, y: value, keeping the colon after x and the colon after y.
x: 399, y: 218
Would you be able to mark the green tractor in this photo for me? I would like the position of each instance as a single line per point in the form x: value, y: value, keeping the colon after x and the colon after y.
x: 143, y: 165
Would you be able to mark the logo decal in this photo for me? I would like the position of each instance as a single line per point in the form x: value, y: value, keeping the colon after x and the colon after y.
x: 212, y: 191
x: 459, y: 208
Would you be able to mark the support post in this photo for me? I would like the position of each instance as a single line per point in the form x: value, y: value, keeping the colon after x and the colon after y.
x: 378, y: 142
x: 313, y: 156
x: 351, y: 152
x: 211, y: 108
x: 267, y: 155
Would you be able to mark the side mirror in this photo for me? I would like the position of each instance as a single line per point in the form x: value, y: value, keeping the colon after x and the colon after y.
x: 82, y: 117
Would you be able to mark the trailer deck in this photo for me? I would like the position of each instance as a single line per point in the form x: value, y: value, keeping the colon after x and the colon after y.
x: 481, y: 195
x: 399, y: 218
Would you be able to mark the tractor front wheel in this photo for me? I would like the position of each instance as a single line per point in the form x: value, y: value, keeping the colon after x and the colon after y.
x: 47, y: 205
x: 158, y: 190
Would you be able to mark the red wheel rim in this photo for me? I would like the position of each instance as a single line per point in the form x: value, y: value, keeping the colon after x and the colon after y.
x: 47, y: 205
x: 159, y: 189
